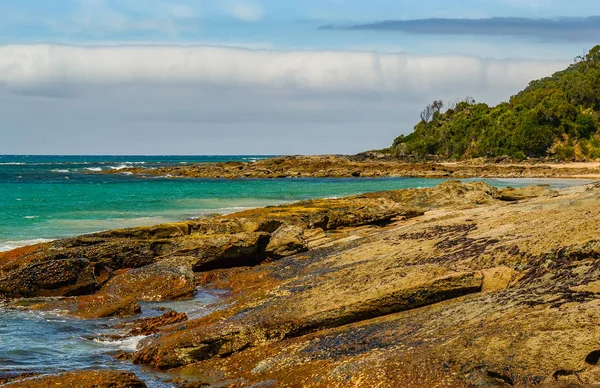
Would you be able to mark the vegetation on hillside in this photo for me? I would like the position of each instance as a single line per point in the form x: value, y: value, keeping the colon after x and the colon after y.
x: 558, y: 116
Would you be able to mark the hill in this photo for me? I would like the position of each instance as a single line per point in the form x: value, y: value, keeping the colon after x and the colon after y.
x: 557, y: 116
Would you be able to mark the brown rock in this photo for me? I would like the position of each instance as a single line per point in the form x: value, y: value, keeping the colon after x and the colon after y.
x: 91, y: 306
x: 340, y: 166
x: 50, y: 278
x: 81, y: 379
x: 286, y: 241
x: 347, y: 314
x: 167, y: 279
x: 83, y: 264
x: 148, y: 326
x: 225, y: 251
x: 447, y: 287
x: 517, y: 194
x: 297, y: 312
x: 496, y: 279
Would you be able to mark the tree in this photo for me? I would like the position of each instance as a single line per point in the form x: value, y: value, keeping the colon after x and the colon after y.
x: 558, y: 115
x: 431, y: 109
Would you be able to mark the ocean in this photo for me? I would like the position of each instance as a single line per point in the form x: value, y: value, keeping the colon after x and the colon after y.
x: 51, y: 197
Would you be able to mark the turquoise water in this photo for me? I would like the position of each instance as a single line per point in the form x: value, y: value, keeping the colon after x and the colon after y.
x: 50, y: 197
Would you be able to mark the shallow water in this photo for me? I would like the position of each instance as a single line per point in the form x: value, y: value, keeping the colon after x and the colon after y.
x: 47, y: 342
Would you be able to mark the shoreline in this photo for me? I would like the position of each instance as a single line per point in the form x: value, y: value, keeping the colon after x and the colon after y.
x: 422, y: 281
x: 149, y: 220
x: 336, y: 166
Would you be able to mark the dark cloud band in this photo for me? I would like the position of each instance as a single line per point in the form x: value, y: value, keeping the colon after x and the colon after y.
x: 566, y: 29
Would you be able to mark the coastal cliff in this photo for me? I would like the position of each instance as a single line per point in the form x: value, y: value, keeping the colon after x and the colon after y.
x: 456, y: 286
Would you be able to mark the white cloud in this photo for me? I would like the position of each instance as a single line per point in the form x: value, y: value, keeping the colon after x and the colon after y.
x: 170, y: 99
x: 246, y: 11
x: 28, y: 66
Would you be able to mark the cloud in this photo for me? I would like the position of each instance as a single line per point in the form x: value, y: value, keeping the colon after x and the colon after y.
x: 322, y: 71
x: 246, y: 11
x: 560, y: 29
x: 202, y: 99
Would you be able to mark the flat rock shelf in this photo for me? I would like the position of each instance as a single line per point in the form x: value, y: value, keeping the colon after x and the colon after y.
x: 460, y: 285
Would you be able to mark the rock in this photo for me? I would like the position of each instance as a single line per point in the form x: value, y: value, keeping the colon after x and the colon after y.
x: 167, y: 279
x: 6, y: 377
x: 91, y: 306
x: 148, y: 326
x: 517, y: 194
x: 496, y: 279
x: 493, y: 295
x: 82, y: 265
x: 297, y: 312
x: 81, y: 379
x: 50, y: 278
x: 226, y: 251
x: 286, y: 241
x: 449, y: 286
x: 371, y: 165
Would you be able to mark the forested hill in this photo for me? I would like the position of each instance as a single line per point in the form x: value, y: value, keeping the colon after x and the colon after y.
x: 556, y: 116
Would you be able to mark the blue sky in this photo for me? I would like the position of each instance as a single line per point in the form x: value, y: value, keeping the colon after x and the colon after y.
x: 282, y: 24
x: 246, y: 76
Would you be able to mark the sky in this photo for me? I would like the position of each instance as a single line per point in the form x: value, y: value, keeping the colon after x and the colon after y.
x: 264, y: 76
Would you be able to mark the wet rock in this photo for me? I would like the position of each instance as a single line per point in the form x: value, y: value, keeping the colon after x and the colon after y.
x: 167, y: 279
x: 7, y: 377
x: 50, y: 278
x: 82, y: 379
x: 91, y: 306
x: 148, y: 326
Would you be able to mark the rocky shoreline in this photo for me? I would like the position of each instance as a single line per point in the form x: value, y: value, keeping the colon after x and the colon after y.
x: 339, y: 166
x: 460, y: 285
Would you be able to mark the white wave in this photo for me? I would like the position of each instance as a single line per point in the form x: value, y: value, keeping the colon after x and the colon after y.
x: 12, y: 164
x: 31, y: 217
x: 120, y: 167
x: 10, y: 245
x: 96, y: 169
x: 130, y: 343
x: 61, y: 171
x: 127, y: 173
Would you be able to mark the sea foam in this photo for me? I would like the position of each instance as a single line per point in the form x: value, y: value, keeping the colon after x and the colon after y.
x: 10, y: 245
x: 130, y: 343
